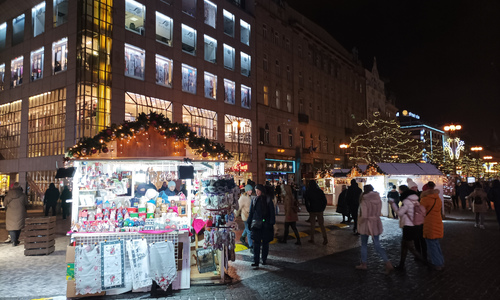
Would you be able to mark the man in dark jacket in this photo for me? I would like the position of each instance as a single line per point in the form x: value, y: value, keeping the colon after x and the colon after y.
x: 261, y: 220
x: 463, y: 192
x: 65, y: 195
x: 50, y: 199
x: 494, y: 196
x: 342, y: 205
x: 394, y: 195
x: 352, y: 196
x: 316, y: 203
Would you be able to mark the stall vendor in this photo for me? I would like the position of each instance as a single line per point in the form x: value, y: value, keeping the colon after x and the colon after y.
x: 142, y: 187
x: 171, y: 189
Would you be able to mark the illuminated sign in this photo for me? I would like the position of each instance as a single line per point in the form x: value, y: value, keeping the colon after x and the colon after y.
x: 453, y: 147
x: 278, y: 165
x: 408, y: 114
x: 240, y: 167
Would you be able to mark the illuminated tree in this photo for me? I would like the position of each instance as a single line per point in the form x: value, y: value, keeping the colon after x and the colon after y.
x: 438, y: 157
x: 384, y: 141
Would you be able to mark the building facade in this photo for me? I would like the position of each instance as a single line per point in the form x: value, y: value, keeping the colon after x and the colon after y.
x: 376, y: 100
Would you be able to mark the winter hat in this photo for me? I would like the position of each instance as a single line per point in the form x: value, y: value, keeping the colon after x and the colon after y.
x: 260, y: 187
x: 248, y: 188
x: 171, y: 184
x: 411, y: 183
x: 151, y: 194
x: 425, y: 187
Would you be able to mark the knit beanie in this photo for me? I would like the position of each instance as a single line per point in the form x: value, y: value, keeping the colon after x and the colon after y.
x: 411, y: 183
x: 248, y: 188
x: 171, y: 184
x: 260, y: 187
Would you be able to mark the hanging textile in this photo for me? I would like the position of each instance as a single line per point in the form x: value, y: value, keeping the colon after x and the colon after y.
x: 87, y: 269
x: 162, y: 266
x: 138, y: 255
x: 112, y: 265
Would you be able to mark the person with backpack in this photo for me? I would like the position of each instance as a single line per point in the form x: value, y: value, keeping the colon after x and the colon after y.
x: 479, y: 200
x: 411, y: 213
x: 433, y: 224
x: 260, y: 221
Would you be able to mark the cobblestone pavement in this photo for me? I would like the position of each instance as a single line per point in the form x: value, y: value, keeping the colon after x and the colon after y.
x: 317, y: 272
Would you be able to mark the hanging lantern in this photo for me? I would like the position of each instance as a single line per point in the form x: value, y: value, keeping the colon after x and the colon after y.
x: 204, y: 154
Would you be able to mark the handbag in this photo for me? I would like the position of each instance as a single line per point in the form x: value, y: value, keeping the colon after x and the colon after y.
x: 256, y: 224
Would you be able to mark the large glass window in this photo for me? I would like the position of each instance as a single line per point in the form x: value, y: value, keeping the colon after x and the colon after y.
x: 60, y: 55
x: 135, y: 16
x: 188, y: 40
x: 246, y: 97
x: 47, y: 124
x: 164, y: 29
x: 16, y: 71
x: 60, y: 12
x: 189, y: 7
x: 38, y: 19
x: 229, y: 91
x: 36, y: 64
x: 188, y: 79
x: 245, y: 32
x: 202, y: 121
x: 164, y: 67
x: 228, y: 57
x: 238, y: 137
x: 134, y: 62
x: 10, y: 130
x: 18, y: 30
x: 246, y: 62
x: 3, y: 35
x: 136, y: 104
x: 93, y: 107
x: 210, y: 49
x: 210, y: 85
x: 228, y: 23
x: 2, y: 77
x: 210, y: 13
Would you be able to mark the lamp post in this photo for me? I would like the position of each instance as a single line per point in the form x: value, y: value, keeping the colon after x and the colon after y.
x: 344, y: 147
x: 239, y: 124
x: 454, y: 143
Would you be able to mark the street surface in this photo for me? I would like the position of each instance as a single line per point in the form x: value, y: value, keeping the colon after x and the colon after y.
x: 472, y: 267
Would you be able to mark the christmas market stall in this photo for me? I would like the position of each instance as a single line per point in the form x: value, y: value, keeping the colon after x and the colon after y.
x: 331, y: 181
x: 383, y: 175
x: 140, y: 190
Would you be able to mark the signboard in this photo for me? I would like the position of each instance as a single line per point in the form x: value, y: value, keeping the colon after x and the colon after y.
x: 277, y: 165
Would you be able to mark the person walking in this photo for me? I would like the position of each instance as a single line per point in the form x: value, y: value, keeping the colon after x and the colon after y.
x: 50, y: 199
x: 16, y: 203
x: 65, y: 195
x: 342, y: 205
x: 494, y: 196
x: 244, y: 204
x: 315, y: 205
x: 406, y: 223
x: 480, y: 205
x: 433, y: 224
x: 463, y: 192
x: 291, y: 213
x: 394, y: 196
x: 352, y: 196
x: 260, y: 221
x: 371, y: 225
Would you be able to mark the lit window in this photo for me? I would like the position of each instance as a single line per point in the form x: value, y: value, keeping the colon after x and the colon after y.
x: 210, y: 13
x: 37, y: 64
x: 238, y: 137
x: 16, y: 71
x: 289, y: 102
x: 188, y: 79
x: 18, y: 30
x: 266, y: 95
x: 246, y: 62
x: 60, y: 55
x: 188, y: 40
x: 2, y: 77
x: 228, y: 23
x: 135, y: 16
x: 134, y: 62
x: 60, y: 12
x: 3, y: 35
x: 202, y: 121
x: 229, y: 91
x: 210, y: 86
x: 246, y: 97
x: 164, y: 67
x: 136, y: 104
x: 164, y: 29
x: 278, y: 101
x: 189, y: 7
x: 47, y: 124
x: 10, y: 129
x: 228, y: 57
x: 245, y: 32
x: 38, y: 19
x: 210, y: 49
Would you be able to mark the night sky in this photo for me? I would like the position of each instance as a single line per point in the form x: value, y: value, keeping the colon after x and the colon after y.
x: 439, y: 57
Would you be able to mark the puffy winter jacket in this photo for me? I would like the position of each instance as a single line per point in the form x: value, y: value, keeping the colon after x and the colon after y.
x: 433, y: 223
x: 405, y: 212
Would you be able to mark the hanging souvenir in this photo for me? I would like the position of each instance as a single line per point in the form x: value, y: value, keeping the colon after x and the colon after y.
x: 162, y: 263
x: 87, y: 269
x: 138, y: 255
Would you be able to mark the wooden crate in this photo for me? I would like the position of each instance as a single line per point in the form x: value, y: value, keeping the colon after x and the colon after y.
x: 41, y: 251
x: 38, y: 245
x: 39, y: 236
x: 49, y: 222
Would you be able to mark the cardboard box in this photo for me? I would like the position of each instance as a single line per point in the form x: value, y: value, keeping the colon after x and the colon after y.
x: 71, y: 291
x: 70, y: 254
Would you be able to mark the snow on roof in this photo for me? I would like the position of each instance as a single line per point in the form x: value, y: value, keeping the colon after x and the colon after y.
x: 406, y: 169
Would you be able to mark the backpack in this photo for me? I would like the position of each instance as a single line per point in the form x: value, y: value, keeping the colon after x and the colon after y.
x: 418, y: 213
x: 478, y: 200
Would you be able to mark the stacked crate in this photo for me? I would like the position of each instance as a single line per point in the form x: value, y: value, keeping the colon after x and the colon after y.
x: 39, y: 236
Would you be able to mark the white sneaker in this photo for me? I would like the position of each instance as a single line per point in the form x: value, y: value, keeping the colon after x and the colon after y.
x: 481, y: 226
x: 8, y: 240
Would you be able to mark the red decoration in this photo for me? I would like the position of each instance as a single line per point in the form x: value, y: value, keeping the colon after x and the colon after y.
x: 204, y: 154
x: 94, y: 151
x: 105, y: 150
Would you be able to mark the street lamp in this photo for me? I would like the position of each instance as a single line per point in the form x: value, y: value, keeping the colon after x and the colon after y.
x: 454, y: 145
x: 344, y: 147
